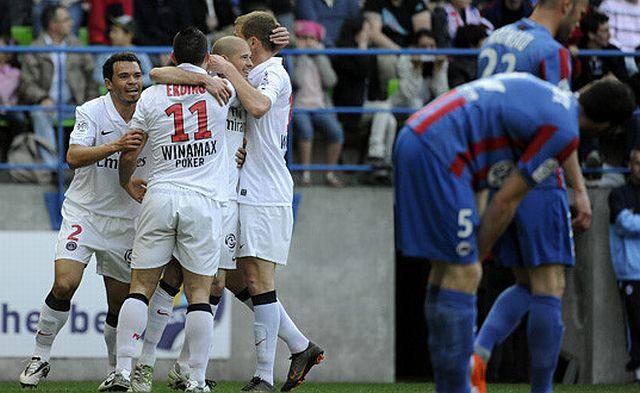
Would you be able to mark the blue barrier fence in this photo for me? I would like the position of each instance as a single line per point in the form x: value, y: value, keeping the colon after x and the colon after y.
x: 61, y: 109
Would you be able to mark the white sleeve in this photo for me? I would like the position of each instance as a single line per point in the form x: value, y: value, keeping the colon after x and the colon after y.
x: 271, y: 85
x: 84, y: 130
x: 140, y: 119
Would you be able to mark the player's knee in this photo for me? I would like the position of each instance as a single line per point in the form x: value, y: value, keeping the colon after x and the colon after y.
x: 548, y: 280
x: 173, y: 275
x: 64, y: 288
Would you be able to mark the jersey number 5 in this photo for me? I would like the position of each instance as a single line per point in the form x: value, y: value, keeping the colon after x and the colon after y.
x: 179, y: 135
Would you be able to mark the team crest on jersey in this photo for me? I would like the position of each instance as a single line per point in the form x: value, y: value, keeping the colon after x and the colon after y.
x: 71, y: 246
x: 464, y: 248
x: 127, y: 256
x: 230, y: 241
x: 498, y: 172
x: 82, y: 127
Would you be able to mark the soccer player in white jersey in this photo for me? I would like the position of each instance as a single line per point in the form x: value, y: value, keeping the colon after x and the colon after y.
x: 97, y: 212
x: 237, y: 52
x: 265, y: 194
x: 182, y: 210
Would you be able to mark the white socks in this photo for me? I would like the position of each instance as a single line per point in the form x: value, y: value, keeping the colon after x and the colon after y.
x: 160, y: 309
x: 290, y: 334
x: 131, y: 324
x: 49, y: 324
x: 267, y: 323
x: 110, y: 339
x: 199, y: 338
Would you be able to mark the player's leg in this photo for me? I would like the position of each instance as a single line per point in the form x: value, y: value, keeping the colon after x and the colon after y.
x: 545, y: 328
x: 53, y: 316
x: 199, y: 323
x: 451, y: 313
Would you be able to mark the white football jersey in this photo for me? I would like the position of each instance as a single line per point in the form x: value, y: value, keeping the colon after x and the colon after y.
x: 265, y: 179
x: 96, y: 188
x: 186, y: 130
x: 236, y: 125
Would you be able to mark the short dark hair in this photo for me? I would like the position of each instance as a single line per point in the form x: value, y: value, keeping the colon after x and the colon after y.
x: 107, y: 67
x: 49, y: 14
x: 591, y: 22
x: 468, y: 36
x: 608, y: 100
x: 190, y: 45
x: 258, y: 24
x: 422, y: 33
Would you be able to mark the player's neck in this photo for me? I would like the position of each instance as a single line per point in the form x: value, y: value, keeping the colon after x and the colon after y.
x: 546, y: 18
x: 260, y: 57
x: 125, y: 109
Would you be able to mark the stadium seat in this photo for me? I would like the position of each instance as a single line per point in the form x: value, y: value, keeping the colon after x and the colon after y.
x: 23, y: 35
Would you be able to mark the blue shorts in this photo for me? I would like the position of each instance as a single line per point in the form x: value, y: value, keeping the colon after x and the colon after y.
x: 540, y: 233
x: 436, y: 216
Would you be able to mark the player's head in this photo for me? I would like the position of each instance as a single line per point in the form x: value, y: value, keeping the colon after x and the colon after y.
x: 190, y: 45
x: 123, y: 77
x: 568, y: 14
x: 56, y: 21
x: 236, y: 51
x: 634, y: 165
x: 595, y: 29
x: 604, y: 104
x: 256, y: 27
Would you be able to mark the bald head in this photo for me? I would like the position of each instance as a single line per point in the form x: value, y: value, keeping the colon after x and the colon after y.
x: 227, y: 46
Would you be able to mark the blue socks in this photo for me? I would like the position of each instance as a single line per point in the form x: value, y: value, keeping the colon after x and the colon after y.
x: 544, y: 332
x: 451, y: 316
x: 505, y: 315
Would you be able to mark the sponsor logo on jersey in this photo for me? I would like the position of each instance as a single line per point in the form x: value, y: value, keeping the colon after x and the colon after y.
x: 230, y: 241
x: 107, y: 132
x: 189, y: 155
x: 545, y: 169
x: 71, y: 246
x: 243, y: 192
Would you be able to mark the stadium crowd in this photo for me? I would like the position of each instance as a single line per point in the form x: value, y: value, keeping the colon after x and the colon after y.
x: 320, y: 81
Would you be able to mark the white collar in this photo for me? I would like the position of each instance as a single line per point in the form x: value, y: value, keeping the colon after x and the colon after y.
x: 267, y: 63
x: 192, y: 68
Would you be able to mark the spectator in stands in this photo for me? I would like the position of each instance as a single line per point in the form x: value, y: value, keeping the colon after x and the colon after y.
x: 393, y: 23
x: 40, y: 82
x: 101, y: 15
x: 420, y: 78
x: 463, y: 69
x: 74, y: 7
x: 624, y: 242
x: 9, y: 81
x: 504, y: 12
x: 214, y: 18
x: 329, y: 13
x: 358, y: 86
x: 158, y: 21
x: 624, y: 22
x: 313, y: 76
x: 461, y: 13
x: 281, y: 9
x: 122, y: 34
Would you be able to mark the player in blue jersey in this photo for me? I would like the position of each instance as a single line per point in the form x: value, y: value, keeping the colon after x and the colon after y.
x: 480, y: 135
x: 538, y: 257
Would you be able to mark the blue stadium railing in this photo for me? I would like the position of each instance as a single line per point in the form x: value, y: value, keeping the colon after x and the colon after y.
x: 61, y: 110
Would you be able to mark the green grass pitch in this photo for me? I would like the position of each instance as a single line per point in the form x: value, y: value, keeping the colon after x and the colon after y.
x: 73, y: 387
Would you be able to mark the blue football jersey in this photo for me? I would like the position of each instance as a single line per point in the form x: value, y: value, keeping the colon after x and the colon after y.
x: 483, y: 129
x: 526, y: 46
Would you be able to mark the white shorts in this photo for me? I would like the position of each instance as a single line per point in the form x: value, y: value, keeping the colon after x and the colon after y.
x: 109, y: 238
x: 265, y: 232
x: 230, y: 231
x: 175, y: 221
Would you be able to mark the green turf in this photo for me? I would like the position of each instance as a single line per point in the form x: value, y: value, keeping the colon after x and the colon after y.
x: 49, y: 386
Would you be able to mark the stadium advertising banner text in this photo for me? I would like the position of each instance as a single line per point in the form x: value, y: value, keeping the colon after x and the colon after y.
x: 26, y: 276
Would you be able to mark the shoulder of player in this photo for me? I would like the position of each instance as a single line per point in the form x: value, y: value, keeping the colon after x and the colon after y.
x: 96, y: 104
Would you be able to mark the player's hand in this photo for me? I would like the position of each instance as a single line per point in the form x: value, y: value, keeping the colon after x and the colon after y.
x: 280, y: 37
x: 582, y: 219
x: 219, y: 65
x: 241, y: 154
x: 219, y: 90
x: 136, y: 188
x: 130, y: 141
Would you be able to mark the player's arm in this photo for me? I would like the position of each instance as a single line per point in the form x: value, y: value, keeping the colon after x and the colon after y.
x: 255, y: 102
x: 581, y: 202
x: 135, y: 187
x: 556, y: 68
x: 500, y: 211
x: 79, y: 155
x: 174, y: 75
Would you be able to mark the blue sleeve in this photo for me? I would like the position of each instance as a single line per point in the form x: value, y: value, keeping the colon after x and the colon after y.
x: 546, y: 152
x: 555, y: 67
x: 627, y: 223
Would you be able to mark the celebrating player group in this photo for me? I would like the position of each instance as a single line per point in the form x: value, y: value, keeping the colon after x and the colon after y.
x: 165, y: 195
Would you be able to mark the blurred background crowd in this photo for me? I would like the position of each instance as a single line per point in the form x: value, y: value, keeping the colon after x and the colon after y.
x: 320, y: 82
